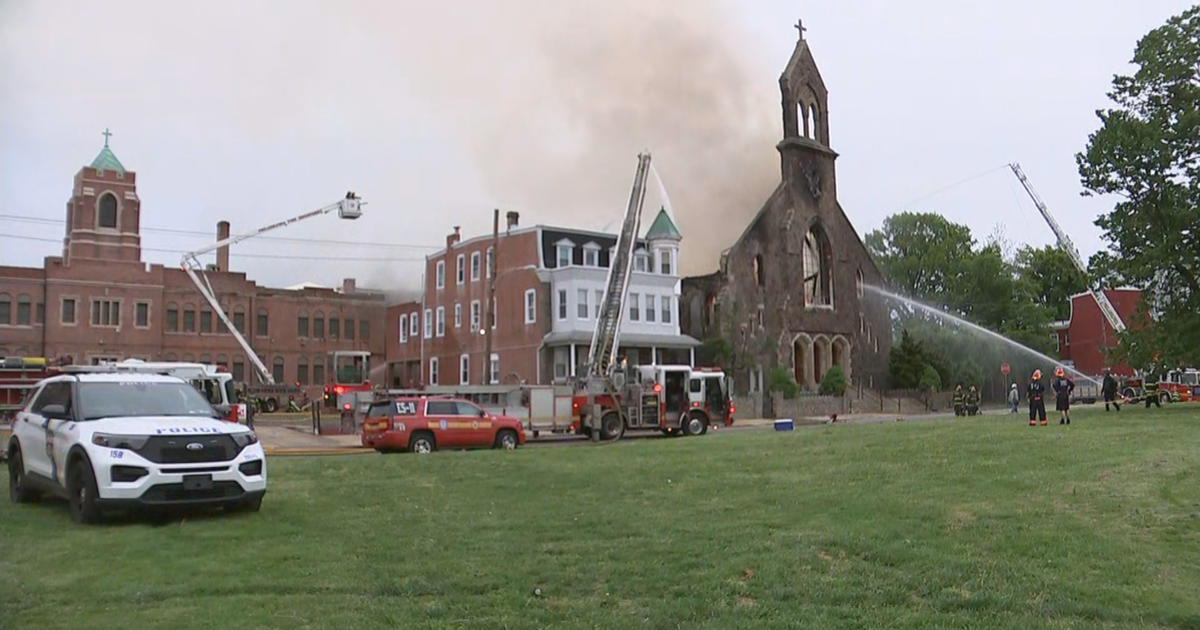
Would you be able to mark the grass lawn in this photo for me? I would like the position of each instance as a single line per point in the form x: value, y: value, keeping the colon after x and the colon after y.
x: 971, y: 522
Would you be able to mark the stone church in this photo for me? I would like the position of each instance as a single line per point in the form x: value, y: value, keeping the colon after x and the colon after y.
x: 789, y: 292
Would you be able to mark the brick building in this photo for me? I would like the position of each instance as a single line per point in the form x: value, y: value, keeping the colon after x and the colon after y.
x: 1085, y: 339
x: 549, y: 284
x: 99, y: 300
x: 789, y: 291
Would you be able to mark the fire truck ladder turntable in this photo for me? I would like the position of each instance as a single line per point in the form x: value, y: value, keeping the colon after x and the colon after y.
x: 602, y: 355
x: 349, y: 207
x: 1065, y: 244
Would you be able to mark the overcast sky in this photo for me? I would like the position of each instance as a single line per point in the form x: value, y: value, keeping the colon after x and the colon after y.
x: 255, y: 111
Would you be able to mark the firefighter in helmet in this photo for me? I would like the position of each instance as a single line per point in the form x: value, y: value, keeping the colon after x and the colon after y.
x: 1109, y: 389
x: 1150, y: 388
x: 1062, y: 387
x: 1035, y: 391
x: 973, y: 401
x: 958, y: 400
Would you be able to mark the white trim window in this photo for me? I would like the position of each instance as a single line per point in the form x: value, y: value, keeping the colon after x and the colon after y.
x: 667, y: 302
x: 457, y: 315
x: 599, y: 301
x: 106, y: 313
x: 491, y: 262
x: 641, y: 261
x: 562, y: 304
x: 664, y: 261
x: 530, y: 306
x: 440, y: 274
x: 635, y: 307
x: 464, y: 369
x: 494, y: 369
x: 474, y: 266
x: 651, y: 308
x: 441, y: 321
x: 141, y: 314
x: 433, y: 370
x: 581, y: 303
x: 403, y: 328
x: 460, y: 269
x: 475, y: 316
x: 428, y: 323
x: 564, y: 253
x: 414, y: 326
x: 591, y: 255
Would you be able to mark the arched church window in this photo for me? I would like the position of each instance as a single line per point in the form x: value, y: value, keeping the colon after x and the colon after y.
x: 801, y: 120
x: 817, y: 259
x: 815, y: 113
x: 759, y: 274
x: 858, y: 282
x: 106, y: 212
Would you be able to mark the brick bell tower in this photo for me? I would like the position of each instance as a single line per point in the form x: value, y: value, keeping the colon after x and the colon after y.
x: 104, y: 212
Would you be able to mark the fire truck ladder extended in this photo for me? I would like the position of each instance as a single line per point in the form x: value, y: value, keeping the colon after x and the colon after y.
x: 349, y: 207
x: 606, y: 337
x: 1065, y: 244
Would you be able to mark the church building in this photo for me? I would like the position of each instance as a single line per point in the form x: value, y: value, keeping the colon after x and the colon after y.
x: 789, y: 292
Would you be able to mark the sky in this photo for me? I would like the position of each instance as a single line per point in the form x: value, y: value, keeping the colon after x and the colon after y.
x: 258, y: 111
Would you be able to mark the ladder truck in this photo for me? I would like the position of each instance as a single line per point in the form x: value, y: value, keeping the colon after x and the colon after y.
x: 349, y: 207
x: 675, y: 399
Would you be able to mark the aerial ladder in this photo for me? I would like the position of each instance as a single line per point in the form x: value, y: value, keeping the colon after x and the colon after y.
x: 1065, y: 244
x: 349, y: 207
x: 599, y: 372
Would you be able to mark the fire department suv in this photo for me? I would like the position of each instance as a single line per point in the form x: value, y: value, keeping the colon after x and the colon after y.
x: 120, y: 440
x: 423, y: 424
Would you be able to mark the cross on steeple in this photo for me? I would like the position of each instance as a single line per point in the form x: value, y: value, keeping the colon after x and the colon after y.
x: 799, y: 26
x: 106, y: 134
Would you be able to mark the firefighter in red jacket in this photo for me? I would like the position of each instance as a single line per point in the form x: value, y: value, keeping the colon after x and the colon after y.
x: 1037, y: 407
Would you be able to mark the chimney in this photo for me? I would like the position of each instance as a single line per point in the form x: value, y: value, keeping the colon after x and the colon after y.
x: 348, y: 286
x: 451, y: 239
x: 513, y: 217
x: 222, y: 252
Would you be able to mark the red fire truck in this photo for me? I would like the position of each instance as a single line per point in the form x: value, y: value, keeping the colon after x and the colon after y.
x: 18, y: 375
x: 349, y: 382
x: 1174, y: 386
x: 674, y: 399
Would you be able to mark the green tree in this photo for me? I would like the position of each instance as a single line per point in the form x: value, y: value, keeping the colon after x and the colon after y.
x: 1147, y: 153
x: 921, y: 253
x: 780, y: 380
x: 930, y: 381
x: 833, y: 383
x: 1051, y: 278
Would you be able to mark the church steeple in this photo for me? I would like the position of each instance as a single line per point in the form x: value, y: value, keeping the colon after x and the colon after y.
x: 104, y: 212
x: 806, y: 161
x: 106, y: 160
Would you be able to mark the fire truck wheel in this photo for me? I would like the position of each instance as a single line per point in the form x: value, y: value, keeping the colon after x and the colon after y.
x: 695, y: 424
x: 17, y: 490
x: 422, y: 442
x: 1165, y: 397
x: 612, y: 427
x: 506, y: 439
x: 1129, y: 393
x: 272, y: 405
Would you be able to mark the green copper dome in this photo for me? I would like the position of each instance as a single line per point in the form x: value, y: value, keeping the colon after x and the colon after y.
x: 663, y: 227
x: 105, y: 160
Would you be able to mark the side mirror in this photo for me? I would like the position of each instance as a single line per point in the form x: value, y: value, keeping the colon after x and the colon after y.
x: 55, y: 411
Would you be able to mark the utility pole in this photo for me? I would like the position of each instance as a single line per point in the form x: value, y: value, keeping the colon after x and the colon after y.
x: 492, y: 271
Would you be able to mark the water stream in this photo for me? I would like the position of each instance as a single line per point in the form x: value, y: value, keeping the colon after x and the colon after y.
x: 943, y: 315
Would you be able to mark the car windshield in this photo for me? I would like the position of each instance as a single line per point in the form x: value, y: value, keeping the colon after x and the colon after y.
x: 105, y: 400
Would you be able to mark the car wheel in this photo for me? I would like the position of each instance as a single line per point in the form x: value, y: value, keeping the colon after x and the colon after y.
x: 1166, y: 398
x: 422, y: 443
x: 694, y: 424
x: 17, y: 490
x: 82, y: 492
x: 612, y: 427
x: 506, y: 439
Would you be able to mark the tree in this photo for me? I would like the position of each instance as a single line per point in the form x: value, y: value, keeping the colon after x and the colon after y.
x: 781, y: 381
x: 930, y: 380
x: 1147, y: 153
x: 921, y: 253
x: 833, y: 383
x: 1051, y: 278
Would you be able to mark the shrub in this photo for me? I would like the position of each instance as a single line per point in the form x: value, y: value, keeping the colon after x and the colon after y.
x: 781, y: 381
x: 834, y: 382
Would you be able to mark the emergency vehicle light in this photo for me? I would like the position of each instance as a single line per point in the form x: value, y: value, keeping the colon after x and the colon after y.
x: 339, y: 389
x: 346, y: 406
x: 657, y: 387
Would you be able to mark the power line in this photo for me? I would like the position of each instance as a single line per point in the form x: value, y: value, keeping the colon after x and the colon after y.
x: 211, y: 235
x: 21, y: 237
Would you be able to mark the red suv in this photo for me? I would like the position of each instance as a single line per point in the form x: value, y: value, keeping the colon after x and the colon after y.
x: 425, y: 424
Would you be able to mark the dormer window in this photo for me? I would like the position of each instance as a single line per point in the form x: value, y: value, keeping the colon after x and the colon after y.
x: 564, y: 253
x: 591, y: 255
x: 641, y: 261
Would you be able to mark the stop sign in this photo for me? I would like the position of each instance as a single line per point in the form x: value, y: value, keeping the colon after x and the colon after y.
x: 1004, y: 368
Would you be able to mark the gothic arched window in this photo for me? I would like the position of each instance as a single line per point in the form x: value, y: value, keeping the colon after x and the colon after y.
x: 106, y: 211
x: 817, y: 259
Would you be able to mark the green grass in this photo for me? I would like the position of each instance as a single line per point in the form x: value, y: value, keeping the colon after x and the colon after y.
x: 966, y: 523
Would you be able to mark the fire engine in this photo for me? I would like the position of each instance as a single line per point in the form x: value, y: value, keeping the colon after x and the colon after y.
x: 348, y: 383
x: 609, y: 397
x: 1173, y: 386
x: 18, y: 375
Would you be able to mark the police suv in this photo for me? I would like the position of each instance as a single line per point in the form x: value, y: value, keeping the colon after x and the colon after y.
x: 119, y: 440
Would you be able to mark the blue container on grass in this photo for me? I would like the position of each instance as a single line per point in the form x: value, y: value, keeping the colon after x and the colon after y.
x: 784, y: 425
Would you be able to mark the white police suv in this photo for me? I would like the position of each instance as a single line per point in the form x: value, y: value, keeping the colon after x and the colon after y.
x: 112, y: 440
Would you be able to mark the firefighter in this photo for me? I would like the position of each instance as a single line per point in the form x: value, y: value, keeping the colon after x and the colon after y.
x: 1062, y: 387
x: 972, y: 401
x: 1037, y: 407
x: 1150, y: 389
x: 959, y: 408
x: 1014, y: 398
x: 1109, y: 389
